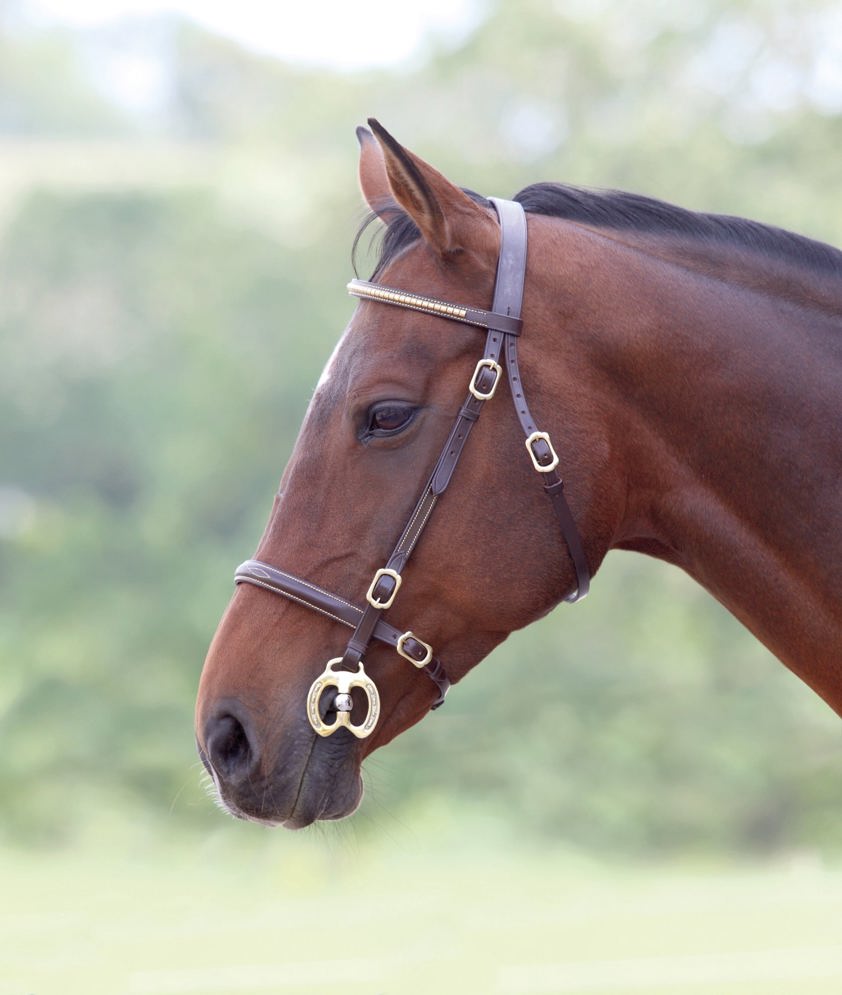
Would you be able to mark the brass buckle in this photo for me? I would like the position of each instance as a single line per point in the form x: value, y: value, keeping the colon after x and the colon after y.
x: 485, y: 364
x: 343, y: 681
x: 415, y: 663
x: 531, y: 440
x: 383, y: 605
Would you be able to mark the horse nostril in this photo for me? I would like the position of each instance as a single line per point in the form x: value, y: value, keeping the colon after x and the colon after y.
x: 229, y: 748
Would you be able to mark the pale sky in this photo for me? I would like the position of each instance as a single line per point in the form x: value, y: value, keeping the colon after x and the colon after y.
x: 344, y: 34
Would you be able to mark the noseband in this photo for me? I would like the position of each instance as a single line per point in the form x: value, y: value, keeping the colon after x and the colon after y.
x: 503, y: 325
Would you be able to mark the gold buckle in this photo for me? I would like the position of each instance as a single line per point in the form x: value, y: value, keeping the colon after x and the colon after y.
x: 383, y: 605
x: 536, y: 437
x: 485, y: 364
x: 415, y: 663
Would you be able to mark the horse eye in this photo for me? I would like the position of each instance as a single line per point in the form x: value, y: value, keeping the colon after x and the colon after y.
x: 389, y: 418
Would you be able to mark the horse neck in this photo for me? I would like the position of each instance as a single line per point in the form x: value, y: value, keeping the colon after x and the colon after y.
x: 719, y: 406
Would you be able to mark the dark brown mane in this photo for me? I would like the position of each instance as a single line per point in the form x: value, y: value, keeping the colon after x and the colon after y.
x: 631, y: 212
x: 619, y: 211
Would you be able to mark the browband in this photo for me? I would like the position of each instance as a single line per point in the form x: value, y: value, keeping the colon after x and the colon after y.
x: 441, y: 309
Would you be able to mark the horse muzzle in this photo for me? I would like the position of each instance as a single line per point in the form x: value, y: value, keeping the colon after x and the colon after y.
x: 303, y: 779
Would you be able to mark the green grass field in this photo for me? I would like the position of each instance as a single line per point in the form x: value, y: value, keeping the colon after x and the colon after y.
x: 242, y: 911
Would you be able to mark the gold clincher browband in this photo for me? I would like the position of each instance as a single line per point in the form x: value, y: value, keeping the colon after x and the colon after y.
x: 439, y: 309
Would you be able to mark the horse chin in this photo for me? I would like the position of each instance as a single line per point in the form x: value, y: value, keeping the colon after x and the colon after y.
x: 300, y: 818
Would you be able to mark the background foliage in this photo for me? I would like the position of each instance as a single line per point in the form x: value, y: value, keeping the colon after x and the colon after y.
x: 171, y: 280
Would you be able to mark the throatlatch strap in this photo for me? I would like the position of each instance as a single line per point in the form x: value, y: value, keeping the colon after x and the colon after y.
x: 510, y: 282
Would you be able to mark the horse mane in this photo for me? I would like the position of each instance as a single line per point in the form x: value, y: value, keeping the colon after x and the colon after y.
x: 621, y: 211
x: 629, y: 212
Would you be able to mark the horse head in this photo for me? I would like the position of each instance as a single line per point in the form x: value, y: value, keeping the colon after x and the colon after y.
x: 286, y: 712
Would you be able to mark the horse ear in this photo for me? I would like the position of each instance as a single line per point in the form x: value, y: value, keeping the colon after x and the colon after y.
x: 374, y: 182
x: 449, y: 221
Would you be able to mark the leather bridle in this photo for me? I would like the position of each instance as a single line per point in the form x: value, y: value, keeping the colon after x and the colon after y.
x: 503, y: 325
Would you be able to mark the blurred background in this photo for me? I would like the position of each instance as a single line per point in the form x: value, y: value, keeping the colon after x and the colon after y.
x: 629, y: 796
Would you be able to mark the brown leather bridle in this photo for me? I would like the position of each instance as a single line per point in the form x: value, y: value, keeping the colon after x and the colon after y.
x: 503, y: 325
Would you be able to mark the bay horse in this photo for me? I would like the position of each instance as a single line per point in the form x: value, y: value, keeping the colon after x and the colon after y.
x: 685, y: 371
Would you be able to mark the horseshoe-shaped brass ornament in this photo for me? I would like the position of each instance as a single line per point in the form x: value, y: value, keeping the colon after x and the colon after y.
x: 343, y: 681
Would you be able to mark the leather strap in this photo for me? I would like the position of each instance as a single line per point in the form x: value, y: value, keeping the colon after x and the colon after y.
x: 554, y: 489
x: 511, y: 262
x: 508, y: 293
